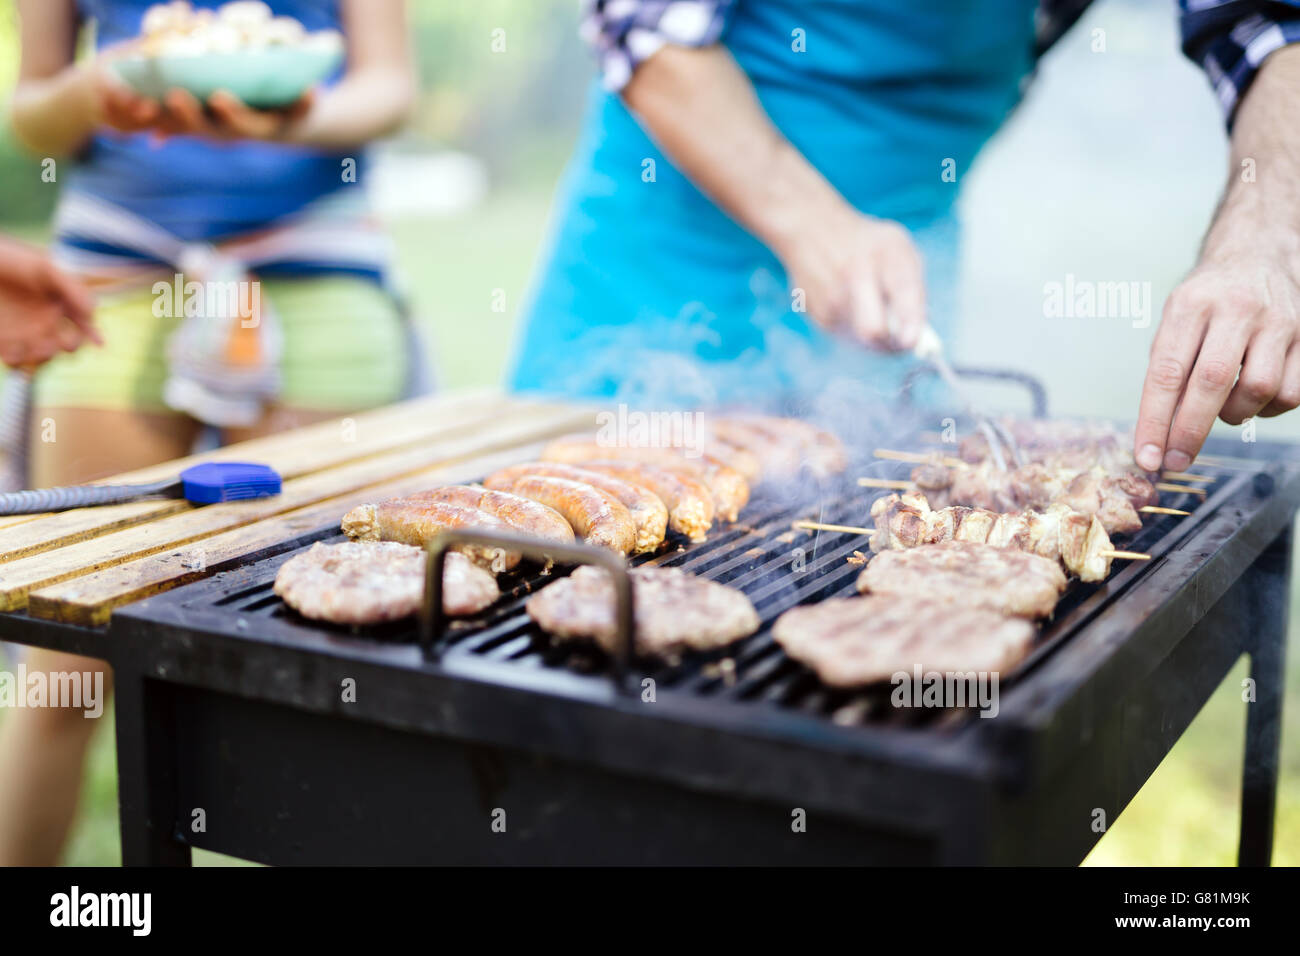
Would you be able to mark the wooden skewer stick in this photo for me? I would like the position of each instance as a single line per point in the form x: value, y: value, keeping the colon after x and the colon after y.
x: 896, y: 483
x: 1226, y: 462
x: 1158, y: 510
x: 918, y: 457
x: 1183, y: 489
x: 1187, y: 476
x: 819, y: 526
x: 1130, y: 555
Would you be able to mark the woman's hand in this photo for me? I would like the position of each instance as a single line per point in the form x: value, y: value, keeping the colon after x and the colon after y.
x: 42, y: 311
x: 861, y: 277
x: 180, y: 113
x: 228, y: 118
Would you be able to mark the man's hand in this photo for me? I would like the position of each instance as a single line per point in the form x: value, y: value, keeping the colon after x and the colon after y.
x: 1229, y: 339
x: 1226, y: 347
x: 862, y: 278
x: 42, y: 311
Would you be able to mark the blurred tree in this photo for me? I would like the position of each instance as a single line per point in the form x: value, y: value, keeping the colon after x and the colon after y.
x: 500, y: 78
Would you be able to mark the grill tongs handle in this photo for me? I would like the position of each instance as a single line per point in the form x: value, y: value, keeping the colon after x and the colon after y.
x: 433, y: 620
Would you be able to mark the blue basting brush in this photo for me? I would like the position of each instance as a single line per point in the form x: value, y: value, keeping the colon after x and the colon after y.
x: 203, y: 484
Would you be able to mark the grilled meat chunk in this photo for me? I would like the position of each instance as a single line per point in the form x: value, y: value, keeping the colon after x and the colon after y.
x: 855, y: 642
x: 369, y: 582
x: 968, y: 574
x: 649, y: 513
x: 674, y: 611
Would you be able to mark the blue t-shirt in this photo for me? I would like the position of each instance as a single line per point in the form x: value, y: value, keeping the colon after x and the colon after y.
x: 200, y: 189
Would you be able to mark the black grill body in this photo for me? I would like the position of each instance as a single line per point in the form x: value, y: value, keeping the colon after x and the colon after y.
x: 309, y: 744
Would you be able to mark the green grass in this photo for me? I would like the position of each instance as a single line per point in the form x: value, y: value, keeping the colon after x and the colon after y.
x: 1186, y: 814
x: 454, y: 267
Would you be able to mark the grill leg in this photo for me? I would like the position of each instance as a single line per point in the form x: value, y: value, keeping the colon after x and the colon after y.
x: 146, y: 772
x: 1270, y: 577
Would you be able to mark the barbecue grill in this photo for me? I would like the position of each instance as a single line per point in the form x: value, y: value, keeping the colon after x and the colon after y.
x: 480, y: 741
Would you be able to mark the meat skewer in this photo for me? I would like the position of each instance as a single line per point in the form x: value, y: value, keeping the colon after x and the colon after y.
x: 932, y: 458
x: 854, y: 529
x: 901, y: 484
x: 1113, y: 498
x: 1116, y: 499
x: 1075, y: 540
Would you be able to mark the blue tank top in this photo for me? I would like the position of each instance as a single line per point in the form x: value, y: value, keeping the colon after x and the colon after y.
x: 198, y: 189
x: 648, y: 280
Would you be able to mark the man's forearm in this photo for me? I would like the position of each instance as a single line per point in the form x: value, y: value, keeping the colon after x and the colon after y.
x: 857, y: 275
x: 1263, y: 189
x: 701, y: 109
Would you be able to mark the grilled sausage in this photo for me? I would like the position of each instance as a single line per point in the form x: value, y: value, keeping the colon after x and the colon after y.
x: 419, y: 522
x: 649, y: 513
x: 811, y: 446
x: 779, y: 457
x: 690, y: 506
x: 728, y: 489
x: 522, y: 514
x: 728, y: 486
x: 742, y: 459
x: 599, y: 517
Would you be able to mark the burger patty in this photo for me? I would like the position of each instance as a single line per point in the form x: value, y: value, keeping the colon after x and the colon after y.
x: 359, y: 582
x: 674, y: 611
x: 968, y: 574
x: 853, y: 642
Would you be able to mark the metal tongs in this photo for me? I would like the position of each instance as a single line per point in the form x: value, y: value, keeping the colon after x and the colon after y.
x: 929, y: 348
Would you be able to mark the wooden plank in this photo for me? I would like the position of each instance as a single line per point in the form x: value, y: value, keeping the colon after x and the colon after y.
x: 90, y: 600
x: 18, y: 578
x: 294, y: 459
x: 324, y: 444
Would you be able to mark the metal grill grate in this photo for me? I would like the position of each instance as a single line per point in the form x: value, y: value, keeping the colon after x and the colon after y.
x: 757, y: 555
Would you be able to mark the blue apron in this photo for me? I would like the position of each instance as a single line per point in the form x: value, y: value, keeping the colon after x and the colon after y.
x: 649, y: 292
